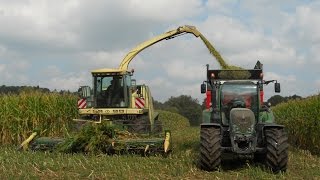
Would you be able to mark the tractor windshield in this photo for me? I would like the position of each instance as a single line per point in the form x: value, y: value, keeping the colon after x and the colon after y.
x: 111, y: 91
x: 239, y: 95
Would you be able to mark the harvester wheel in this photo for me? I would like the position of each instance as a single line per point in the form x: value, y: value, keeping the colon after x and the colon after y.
x: 157, y: 126
x: 277, y: 149
x: 140, y: 125
x: 210, y: 148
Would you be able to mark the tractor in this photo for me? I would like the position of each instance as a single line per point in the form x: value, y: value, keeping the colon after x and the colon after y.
x: 236, y: 122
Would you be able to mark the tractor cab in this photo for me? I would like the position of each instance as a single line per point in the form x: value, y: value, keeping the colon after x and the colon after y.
x: 228, y: 89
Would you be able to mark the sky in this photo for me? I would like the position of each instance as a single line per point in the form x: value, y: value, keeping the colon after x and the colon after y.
x: 55, y: 44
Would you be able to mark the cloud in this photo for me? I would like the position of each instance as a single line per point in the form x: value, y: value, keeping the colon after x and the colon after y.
x: 58, y: 43
x: 51, y: 71
x: 68, y: 81
x: 178, y: 70
x: 290, y: 85
x: 14, y: 72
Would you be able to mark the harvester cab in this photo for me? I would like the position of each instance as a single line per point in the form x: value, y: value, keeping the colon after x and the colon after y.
x: 110, y: 90
x: 236, y: 122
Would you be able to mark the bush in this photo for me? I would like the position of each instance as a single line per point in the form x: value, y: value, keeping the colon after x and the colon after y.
x: 302, y: 121
x: 173, y: 121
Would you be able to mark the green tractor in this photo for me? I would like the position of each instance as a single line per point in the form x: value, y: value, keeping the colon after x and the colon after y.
x: 237, y: 123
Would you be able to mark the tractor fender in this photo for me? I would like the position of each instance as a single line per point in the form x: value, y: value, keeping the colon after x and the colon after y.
x: 272, y: 126
x: 206, y: 125
x: 261, y: 127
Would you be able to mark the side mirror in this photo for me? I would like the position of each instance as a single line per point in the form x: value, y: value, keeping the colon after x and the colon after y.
x: 84, y: 91
x: 203, y: 88
x: 277, y: 87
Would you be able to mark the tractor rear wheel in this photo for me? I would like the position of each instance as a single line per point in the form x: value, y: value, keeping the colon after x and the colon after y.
x: 210, y: 148
x: 277, y: 149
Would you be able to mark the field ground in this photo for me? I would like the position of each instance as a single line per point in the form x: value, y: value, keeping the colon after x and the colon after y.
x: 181, y: 164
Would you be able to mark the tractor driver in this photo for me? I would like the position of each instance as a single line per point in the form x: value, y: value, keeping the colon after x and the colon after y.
x: 236, y: 102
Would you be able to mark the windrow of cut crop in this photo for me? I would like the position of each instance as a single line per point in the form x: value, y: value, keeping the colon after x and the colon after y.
x: 49, y: 113
x: 98, y: 138
x: 302, y: 121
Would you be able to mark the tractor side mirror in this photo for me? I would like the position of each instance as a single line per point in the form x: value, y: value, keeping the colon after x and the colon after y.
x: 84, y: 91
x: 203, y: 88
x: 277, y: 88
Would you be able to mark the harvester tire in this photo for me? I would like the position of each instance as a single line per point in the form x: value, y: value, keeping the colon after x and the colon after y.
x: 277, y: 149
x: 157, y: 126
x: 140, y: 125
x: 210, y: 148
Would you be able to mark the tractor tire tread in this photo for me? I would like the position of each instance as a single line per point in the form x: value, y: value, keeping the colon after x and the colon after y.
x: 277, y: 149
x: 210, y: 148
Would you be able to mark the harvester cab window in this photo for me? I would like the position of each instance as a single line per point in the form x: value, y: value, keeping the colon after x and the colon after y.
x: 110, y: 91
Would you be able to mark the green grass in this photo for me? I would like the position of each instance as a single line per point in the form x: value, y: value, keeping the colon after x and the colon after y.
x: 181, y: 164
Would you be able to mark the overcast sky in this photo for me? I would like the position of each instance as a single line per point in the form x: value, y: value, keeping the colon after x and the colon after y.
x: 56, y: 44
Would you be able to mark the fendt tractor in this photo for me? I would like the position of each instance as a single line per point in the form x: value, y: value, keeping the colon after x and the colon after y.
x: 117, y: 99
x: 237, y: 123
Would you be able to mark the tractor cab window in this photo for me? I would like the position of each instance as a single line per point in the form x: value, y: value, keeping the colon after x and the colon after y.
x: 239, y: 95
x: 110, y: 91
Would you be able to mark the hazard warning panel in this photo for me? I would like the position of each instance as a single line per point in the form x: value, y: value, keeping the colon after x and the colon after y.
x: 82, y: 103
x: 139, y: 102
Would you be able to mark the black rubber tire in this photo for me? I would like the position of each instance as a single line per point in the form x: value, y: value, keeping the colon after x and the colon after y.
x: 276, y: 158
x: 140, y: 125
x: 157, y: 126
x: 210, y: 148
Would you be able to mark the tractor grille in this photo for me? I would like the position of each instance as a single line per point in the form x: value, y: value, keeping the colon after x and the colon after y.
x: 242, y: 120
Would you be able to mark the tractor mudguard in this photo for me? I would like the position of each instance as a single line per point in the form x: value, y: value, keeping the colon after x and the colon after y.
x: 204, y: 125
x: 260, y: 129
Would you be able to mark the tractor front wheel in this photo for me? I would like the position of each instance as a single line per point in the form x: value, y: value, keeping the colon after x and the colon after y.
x: 210, y: 148
x: 277, y: 149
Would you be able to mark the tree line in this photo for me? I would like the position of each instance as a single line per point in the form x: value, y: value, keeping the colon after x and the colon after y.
x: 18, y: 89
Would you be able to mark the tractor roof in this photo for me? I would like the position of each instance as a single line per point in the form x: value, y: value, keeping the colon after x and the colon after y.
x: 245, y: 74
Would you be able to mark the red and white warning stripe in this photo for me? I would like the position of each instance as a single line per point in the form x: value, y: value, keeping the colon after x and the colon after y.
x: 82, y: 103
x: 139, y: 102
